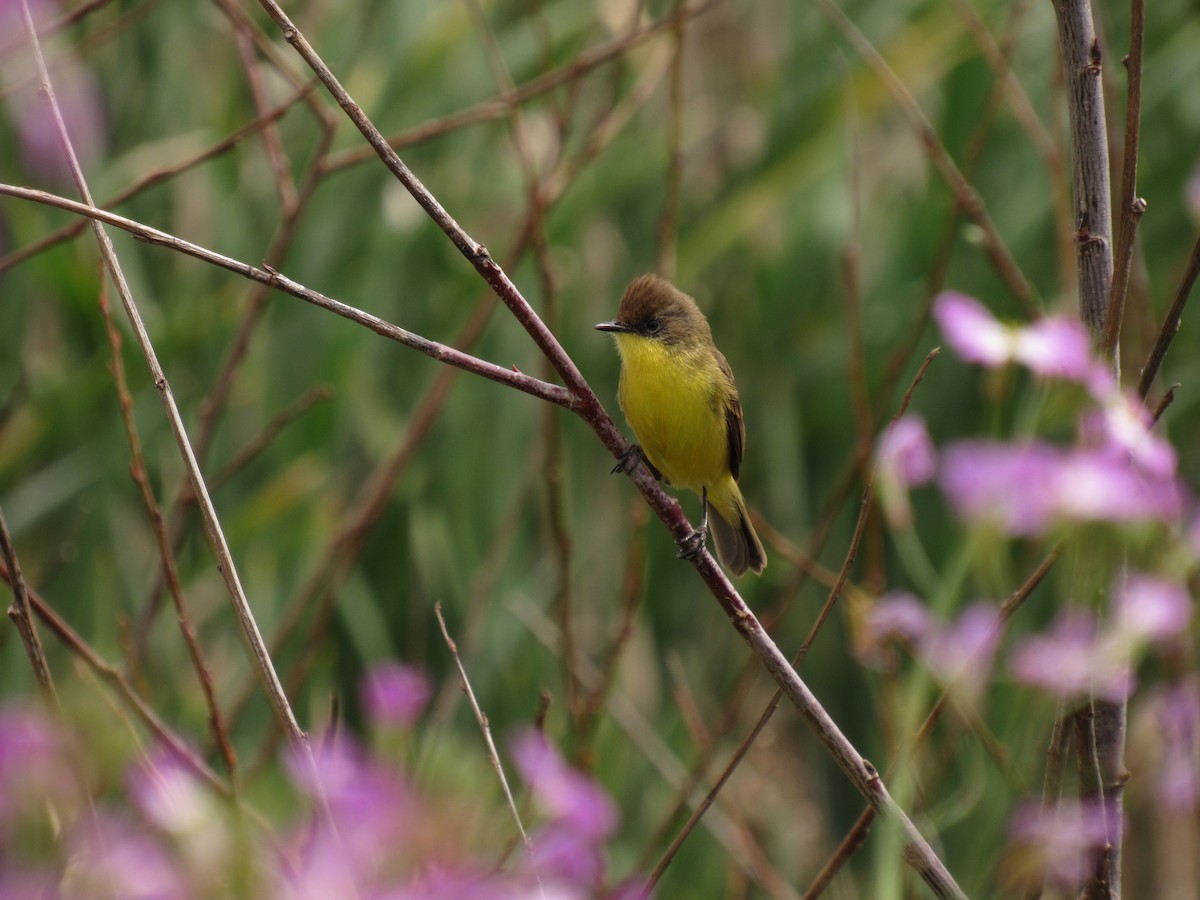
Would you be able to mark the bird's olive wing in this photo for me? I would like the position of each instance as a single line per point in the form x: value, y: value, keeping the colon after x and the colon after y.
x: 735, y: 428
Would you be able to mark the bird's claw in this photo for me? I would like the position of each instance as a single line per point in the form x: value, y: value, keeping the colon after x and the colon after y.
x: 693, y: 545
x: 631, y: 457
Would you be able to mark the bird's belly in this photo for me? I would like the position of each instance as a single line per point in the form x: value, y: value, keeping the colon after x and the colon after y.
x: 677, y: 416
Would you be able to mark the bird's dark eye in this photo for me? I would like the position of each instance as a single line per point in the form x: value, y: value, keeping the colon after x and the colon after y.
x: 653, y: 325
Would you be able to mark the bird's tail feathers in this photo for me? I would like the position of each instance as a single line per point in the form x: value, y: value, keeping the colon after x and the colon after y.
x: 738, y: 547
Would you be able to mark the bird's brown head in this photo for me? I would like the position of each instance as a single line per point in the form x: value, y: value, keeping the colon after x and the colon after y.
x: 654, y: 308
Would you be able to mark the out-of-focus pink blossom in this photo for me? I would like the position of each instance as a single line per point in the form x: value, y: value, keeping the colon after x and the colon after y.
x: 35, y: 768
x: 395, y: 694
x: 1073, y: 660
x: 905, y: 459
x: 1024, y: 489
x: 1152, y: 609
x: 569, y: 797
x: 1056, y: 347
x: 1123, y: 427
x: 972, y: 331
x: 961, y: 654
x: 110, y: 857
x: 1179, y: 771
x: 79, y: 97
x: 899, y: 614
x: 1062, y: 842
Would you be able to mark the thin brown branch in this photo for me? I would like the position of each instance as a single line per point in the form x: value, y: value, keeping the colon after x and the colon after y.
x: 1089, y: 156
x: 481, y: 718
x: 21, y: 614
x: 137, y: 469
x: 1130, y: 205
x: 280, y: 282
x: 864, y: 511
x: 1170, y: 326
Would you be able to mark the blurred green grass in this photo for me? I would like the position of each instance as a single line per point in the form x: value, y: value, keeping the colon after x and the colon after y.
x: 775, y: 107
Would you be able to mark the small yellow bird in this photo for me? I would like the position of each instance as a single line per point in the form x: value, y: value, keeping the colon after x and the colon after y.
x: 678, y: 393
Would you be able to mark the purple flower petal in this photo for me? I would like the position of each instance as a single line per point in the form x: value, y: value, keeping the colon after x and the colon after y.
x: 1064, y: 840
x: 1012, y: 486
x: 905, y: 459
x: 1057, y: 347
x: 114, y: 859
x: 1153, y: 609
x: 1024, y: 489
x: 568, y: 796
x: 395, y: 694
x: 972, y: 331
x: 1070, y: 660
x: 1179, y: 773
x: 899, y: 614
x: 962, y: 653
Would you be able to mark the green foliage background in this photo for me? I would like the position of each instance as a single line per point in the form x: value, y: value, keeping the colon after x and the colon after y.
x: 792, y: 152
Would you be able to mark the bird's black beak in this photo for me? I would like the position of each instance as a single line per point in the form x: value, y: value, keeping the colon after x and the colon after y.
x: 613, y: 326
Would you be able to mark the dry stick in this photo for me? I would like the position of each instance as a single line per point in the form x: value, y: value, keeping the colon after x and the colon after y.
x: 964, y: 194
x: 21, y: 614
x: 1089, y: 142
x: 497, y: 107
x: 1132, y: 207
x: 481, y: 718
x: 156, y: 177
x: 861, y: 773
x: 137, y: 469
x: 113, y: 676
x: 773, y: 703
x: 1080, y: 48
x: 441, y: 352
x: 1170, y: 326
x: 1166, y: 401
x: 212, y: 525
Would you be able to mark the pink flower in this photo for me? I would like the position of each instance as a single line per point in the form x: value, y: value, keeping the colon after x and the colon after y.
x: 905, y: 459
x: 899, y: 614
x: 1025, y: 489
x: 1064, y: 841
x: 1152, y: 609
x: 395, y: 694
x: 566, y: 795
x: 1056, y: 347
x: 1179, y: 721
x: 959, y: 654
x: 1071, y: 660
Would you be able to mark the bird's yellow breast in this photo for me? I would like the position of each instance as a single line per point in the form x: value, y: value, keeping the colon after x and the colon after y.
x: 675, y: 402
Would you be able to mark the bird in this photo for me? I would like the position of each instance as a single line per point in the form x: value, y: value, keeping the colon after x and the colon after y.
x: 678, y: 394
